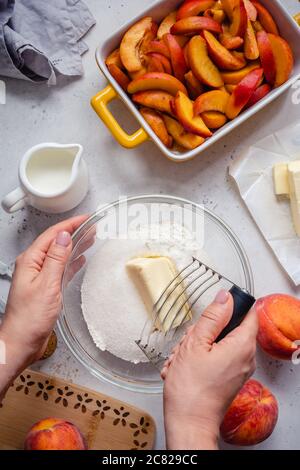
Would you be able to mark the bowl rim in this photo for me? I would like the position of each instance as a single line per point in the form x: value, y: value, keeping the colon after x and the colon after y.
x: 75, y: 347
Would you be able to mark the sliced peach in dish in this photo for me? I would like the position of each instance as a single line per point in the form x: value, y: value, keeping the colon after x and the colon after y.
x: 181, y: 137
x: 250, y: 43
x: 185, y: 113
x: 195, y: 24
x: 214, y: 119
x: 230, y: 42
x: 158, y: 63
x: 265, y: 18
x: 202, y: 66
x: 115, y: 58
x: 233, y: 78
x: 166, y: 24
x: 157, y: 124
x: 284, y: 60
x: 259, y: 94
x: 194, y: 86
x: 242, y: 93
x: 220, y: 55
x: 120, y: 76
x: 251, y: 10
x: 217, y: 15
x: 215, y: 100
x: 158, y: 47
x: 266, y: 56
x: 156, y: 81
x: 193, y: 8
x: 238, y: 24
x: 155, y: 99
x: 134, y: 41
x: 177, y: 57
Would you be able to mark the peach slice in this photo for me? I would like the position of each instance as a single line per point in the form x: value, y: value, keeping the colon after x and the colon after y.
x: 158, y: 47
x: 228, y: 7
x: 177, y: 57
x: 214, y: 119
x: 157, y: 124
x: 158, y: 63
x: 217, y: 15
x: 238, y: 24
x: 265, y: 18
x: 120, y: 76
x: 159, y: 100
x: 166, y: 24
x: 195, y: 24
x: 284, y: 60
x: 215, y: 100
x: 186, y: 54
x: 193, y: 8
x: 134, y: 41
x: 250, y: 45
x: 233, y: 78
x: 202, y: 66
x: 115, y: 59
x: 185, y: 113
x: 251, y: 417
x: 194, y: 86
x: 156, y: 81
x: 266, y: 56
x: 184, y: 139
x: 251, y: 10
x: 230, y: 42
x: 220, y: 55
x: 243, y: 92
x: 259, y: 94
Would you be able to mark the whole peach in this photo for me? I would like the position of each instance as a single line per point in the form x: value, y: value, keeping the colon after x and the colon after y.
x: 54, y: 434
x: 251, y: 417
x: 279, y: 324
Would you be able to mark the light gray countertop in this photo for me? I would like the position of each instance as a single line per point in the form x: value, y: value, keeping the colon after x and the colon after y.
x: 35, y: 114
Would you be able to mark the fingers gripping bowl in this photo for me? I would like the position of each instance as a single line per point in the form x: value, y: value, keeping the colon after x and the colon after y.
x: 232, y: 51
x: 222, y: 247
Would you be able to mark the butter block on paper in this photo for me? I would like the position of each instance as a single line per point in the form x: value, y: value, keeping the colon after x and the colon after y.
x: 152, y: 275
x: 281, y: 179
x: 294, y: 186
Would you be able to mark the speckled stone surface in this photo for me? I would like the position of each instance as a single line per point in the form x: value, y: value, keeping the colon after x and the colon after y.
x: 35, y: 113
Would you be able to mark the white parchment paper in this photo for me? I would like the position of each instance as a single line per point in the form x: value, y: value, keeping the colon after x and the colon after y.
x: 253, y: 174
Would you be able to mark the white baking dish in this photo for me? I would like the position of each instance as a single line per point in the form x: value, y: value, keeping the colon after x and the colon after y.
x: 288, y: 29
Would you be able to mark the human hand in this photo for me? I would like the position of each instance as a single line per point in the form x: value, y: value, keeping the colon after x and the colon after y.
x: 34, y: 301
x: 203, y: 377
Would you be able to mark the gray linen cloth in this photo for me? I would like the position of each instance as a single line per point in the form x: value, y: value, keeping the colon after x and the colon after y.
x: 40, y: 39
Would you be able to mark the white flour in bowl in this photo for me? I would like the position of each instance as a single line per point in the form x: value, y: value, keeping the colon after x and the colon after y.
x: 112, y: 308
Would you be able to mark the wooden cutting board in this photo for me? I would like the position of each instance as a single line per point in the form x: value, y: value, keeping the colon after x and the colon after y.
x: 105, y: 422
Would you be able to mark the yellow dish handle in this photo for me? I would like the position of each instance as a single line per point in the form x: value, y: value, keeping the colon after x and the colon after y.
x: 99, y: 103
x: 297, y: 18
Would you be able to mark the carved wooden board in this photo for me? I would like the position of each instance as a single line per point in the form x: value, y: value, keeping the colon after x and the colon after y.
x: 105, y: 422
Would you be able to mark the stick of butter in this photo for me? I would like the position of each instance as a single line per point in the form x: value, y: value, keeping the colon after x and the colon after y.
x: 151, y: 276
x: 294, y: 185
x: 281, y: 179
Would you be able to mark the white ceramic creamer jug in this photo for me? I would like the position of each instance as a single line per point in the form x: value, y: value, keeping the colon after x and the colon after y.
x: 53, y: 178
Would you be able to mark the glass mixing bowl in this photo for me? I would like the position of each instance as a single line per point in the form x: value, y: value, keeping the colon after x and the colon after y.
x: 219, y: 242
